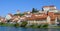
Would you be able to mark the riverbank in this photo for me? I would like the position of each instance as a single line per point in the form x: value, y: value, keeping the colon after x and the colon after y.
x: 6, y: 24
x: 25, y: 25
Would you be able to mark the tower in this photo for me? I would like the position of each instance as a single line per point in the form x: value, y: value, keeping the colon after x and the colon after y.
x: 56, y: 21
x: 48, y: 19
x: 18, y: 11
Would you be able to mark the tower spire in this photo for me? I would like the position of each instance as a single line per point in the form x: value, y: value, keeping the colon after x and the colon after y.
x: 18, y: 11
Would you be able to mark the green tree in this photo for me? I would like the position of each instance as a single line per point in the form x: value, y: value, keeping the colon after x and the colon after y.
x: 24, y: 23
x: 19, y: 14
x: 16, y: 25
x: 34, y: 10
x: 45, y: 25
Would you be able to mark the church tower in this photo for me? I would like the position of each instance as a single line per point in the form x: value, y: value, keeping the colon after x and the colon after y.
x: 48, y: 19
x: 18, y: 11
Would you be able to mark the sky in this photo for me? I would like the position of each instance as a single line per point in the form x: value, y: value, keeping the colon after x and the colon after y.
x: 11, y: 6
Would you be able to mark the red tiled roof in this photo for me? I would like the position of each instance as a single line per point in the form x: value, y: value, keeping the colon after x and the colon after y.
x: 49, y: 6
x: 33, y: 17
x: 42, y: 16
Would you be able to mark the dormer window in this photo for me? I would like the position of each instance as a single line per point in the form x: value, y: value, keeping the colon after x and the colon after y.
x: 46, y: 8
x: 39, y: 15
x: 36, y: 15
x: 28, y: 15
x: 21, y: 18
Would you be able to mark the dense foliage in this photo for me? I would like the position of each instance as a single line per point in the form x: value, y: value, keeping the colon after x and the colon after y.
x: 18, y: 14
x: 34, y: 10
x: 24, y: 23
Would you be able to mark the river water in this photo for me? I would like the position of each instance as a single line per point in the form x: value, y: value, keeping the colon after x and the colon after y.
x: 27, y: 29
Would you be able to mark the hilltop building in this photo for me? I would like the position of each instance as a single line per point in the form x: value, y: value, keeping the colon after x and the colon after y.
x: 48, y: 15
x: 18, y: 11
x: 9, y: 16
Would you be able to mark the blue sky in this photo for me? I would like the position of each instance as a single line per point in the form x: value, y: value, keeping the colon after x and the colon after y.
x: 10, y: 6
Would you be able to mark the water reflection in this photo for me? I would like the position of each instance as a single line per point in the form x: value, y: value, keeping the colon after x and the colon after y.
x: 27, y: 29
x: 54, y: 29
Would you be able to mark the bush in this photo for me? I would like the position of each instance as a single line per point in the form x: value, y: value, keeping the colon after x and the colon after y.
x: 21, y: 14
x: 31, y: 25
x: 39, y: 26
x: 16, y: 25
x: 1, y: 23
x: 35, y: 26
x: 45, y: 25
x: 24, y: 23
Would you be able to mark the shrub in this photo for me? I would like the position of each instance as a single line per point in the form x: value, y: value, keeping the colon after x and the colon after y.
x: 2, y: 23
x: 31, y: 25
x: 39, y: 26
x: 16, y: 25
x: 24, y: 23
x: 35, y: 26
x: 45, y: 25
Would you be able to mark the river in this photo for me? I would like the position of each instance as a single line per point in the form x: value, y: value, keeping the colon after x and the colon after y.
x: 27, y: 29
